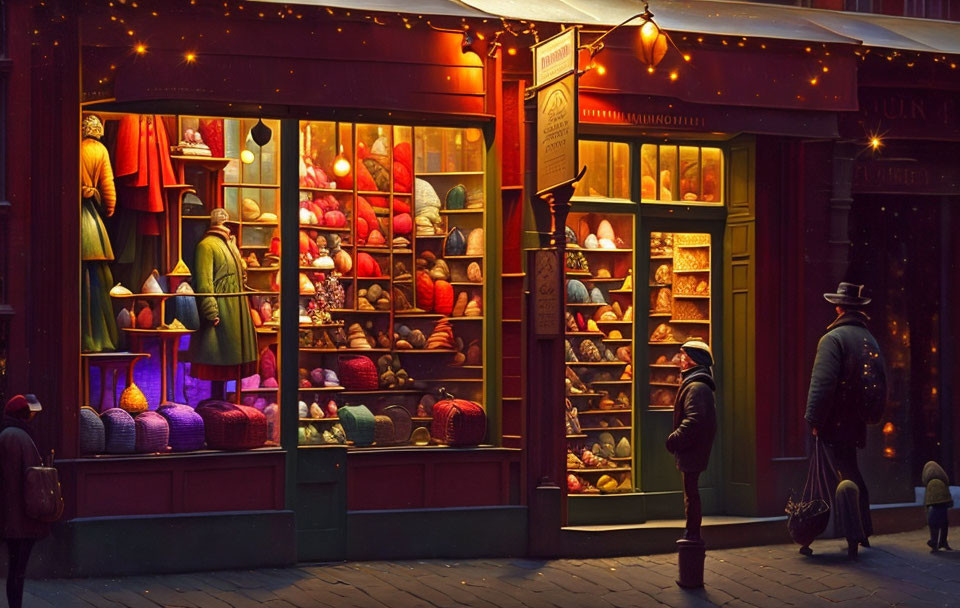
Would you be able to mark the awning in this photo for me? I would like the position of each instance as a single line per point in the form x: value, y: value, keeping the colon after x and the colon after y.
x: 717, y: 17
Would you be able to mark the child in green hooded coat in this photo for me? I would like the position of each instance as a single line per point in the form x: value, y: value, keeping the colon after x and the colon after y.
x: 937, y: 499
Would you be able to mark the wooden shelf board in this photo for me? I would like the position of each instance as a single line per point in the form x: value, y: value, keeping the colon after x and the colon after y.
x: 584, y: 333
x: 253, y: 186
x: 667, y: 384
x: 464, y: 318
x: 585, y: 395
x: 690, y: 296
x: 694, y: 321
x: 442, y: 173
x: 659, y: 314
x: 593, y: 429
x: 382, y: 391
x: 675, y: 271
x: 324, y: 419
x: 326, y: 190
x: 421, y: 418
x: 321, y: 389
x: 473, y: 211
x: 310, y: 349
x: 612, y: 382
x: 605, y: 250
x: 425, y: 351
x: 262, y: 389
x: 617, y: 340
x: 602, y: 412
x: 597, y: 363
x: 607, y: 470
x: 666, y: 365
x: 664, y: 343
x: 325, y: 229
x: 579, y: 436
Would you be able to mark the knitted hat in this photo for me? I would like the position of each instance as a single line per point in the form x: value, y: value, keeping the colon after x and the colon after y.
x: 21, y: 405
x: 699, y: 351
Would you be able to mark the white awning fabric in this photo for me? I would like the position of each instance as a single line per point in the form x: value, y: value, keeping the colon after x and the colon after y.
x: 718, y: 17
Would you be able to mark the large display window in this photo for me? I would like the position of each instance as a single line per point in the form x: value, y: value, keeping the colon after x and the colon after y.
x: 180, y: 289
x: 391, y: 285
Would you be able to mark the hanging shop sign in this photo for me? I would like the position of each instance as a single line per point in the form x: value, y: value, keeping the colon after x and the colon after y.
x: 555, y: 58
x: 555, y: 80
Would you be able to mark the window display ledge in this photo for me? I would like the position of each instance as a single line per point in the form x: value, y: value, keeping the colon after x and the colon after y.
x: 171, y: 455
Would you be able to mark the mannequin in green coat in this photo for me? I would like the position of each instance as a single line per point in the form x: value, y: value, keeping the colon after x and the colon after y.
x: 225, y: 346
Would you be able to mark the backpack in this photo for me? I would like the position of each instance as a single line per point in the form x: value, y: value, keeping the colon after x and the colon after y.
x: 42, y: 497
x: 871, y: 394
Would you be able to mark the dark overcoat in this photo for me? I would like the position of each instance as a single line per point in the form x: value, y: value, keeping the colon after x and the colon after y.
x: 831, y: 401
x: 17, y: 453
x: 694, y: 420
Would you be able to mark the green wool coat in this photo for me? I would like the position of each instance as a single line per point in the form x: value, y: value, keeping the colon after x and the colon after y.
x: 218, y: 269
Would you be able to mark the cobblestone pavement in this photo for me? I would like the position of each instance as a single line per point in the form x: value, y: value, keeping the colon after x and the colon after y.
x: 897, y: 571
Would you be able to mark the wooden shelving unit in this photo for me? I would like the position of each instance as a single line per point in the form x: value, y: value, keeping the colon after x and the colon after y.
x: 604, y: 379
x: 443, y: 158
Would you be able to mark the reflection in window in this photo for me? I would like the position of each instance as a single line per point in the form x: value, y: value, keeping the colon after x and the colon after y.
x: 608, y: 170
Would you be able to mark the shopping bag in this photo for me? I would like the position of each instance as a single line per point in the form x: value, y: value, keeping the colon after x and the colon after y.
x: 808, y: 515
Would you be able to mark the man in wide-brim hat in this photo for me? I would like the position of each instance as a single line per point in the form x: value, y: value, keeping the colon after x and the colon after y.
x: 847, y: 367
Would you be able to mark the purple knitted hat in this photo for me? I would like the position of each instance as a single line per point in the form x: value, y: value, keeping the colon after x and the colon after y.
x: 119, y: 430
x: 153, y: 432
x: 186, y: 427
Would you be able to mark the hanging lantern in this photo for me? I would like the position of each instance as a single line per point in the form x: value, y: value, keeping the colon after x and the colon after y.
x: 651, y: 42
x: 247, y: 157
x: 261, y: 133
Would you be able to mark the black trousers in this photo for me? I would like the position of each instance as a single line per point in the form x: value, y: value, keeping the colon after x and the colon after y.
x: 939, y: 525
x: 691, y: 504
x: 19, y: 554
x: 845, y: 459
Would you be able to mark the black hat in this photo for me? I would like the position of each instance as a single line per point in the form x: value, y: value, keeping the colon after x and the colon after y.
x: 848, y: 294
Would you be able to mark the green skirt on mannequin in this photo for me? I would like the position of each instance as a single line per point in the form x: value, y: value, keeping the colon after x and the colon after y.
x: 98, y: 326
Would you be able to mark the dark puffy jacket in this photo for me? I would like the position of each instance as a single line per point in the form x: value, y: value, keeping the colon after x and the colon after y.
x: 17, y: 452
x: 694, y: 420
x: 832, y: 400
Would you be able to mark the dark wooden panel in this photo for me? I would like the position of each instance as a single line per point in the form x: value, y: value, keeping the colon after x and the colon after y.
x: 240, y: 489
x: 385, y: 486
x: 186, y: 483
x: 129, y: 493
x: 466, y: 484
x: 430, y: 478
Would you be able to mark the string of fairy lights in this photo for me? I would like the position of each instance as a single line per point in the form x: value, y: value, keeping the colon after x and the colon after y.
x: 489, y: 36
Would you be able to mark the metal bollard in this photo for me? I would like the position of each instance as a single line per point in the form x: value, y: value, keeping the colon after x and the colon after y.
x: 690, y: 558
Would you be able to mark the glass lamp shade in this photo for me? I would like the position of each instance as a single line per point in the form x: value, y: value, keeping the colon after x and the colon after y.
x: 651, y: 44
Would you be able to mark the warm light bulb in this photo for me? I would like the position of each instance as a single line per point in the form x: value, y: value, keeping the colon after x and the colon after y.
x: 190, y: 57
x: 650, y: 69
x: 140, y: 49
x: 813, y: 81
x: 875, y: 142
x: 888, y: 428
x: 825, y: 69
x: 601, y: 70
x: 511, y: 51
x: 247, y: 157
x: 686, y: 57
x: 674, y: 76
x: 341, y: 166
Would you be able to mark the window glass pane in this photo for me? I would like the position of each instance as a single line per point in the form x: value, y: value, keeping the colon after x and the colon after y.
x: 144, y: 321
x: 689, y: 173
x: 712, y: 175
x: 621, y: 170
x: 648, y: 172
x: 593, y: 154
x: 668, y: 172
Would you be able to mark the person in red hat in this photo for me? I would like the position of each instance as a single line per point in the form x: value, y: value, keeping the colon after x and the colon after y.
x: 17, y: 453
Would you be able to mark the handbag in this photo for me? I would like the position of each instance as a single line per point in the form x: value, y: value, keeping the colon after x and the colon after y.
x: 808, y: 516
x: 42, y: 495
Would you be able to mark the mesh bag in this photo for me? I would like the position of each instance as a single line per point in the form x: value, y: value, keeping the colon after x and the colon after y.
x: 808, y: 516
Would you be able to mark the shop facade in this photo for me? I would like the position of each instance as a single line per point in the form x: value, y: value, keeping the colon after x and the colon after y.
x: 355, y: 226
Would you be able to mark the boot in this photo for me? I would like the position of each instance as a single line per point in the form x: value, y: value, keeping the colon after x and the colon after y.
x: 852, y: 547
x: 932, y: 543
x: 943, y: 538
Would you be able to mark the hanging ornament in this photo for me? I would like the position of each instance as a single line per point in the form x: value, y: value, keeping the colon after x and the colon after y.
x: 261, y: 133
